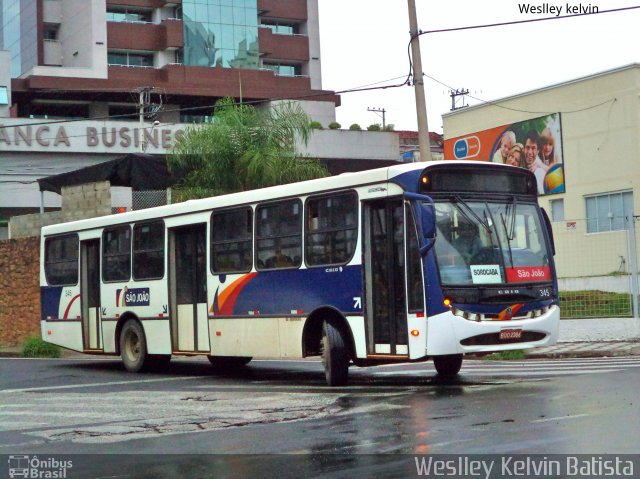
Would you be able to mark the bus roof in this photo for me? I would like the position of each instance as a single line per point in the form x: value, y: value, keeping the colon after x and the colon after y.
x: 343, y: 181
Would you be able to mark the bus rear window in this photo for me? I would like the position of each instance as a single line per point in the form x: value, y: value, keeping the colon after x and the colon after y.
x: 61, y: 260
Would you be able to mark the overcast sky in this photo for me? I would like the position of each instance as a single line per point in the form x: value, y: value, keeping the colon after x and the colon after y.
x: 365, y: 41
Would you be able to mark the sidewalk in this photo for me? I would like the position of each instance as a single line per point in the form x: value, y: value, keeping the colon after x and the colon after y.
x: 579, y: 338
x: 597, y: 337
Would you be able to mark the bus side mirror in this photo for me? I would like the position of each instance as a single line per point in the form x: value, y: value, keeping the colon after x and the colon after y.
x: 424, y: 207
x: 428, y: 222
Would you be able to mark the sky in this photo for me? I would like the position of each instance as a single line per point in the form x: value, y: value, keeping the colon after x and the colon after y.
x: 365, y: 41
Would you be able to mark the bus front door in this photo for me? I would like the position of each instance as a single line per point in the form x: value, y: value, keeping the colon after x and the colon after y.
x: 386, y: 306
x: 90, y: 295
x: 188, y: 289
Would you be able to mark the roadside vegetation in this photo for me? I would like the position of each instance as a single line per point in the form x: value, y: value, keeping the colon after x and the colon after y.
x: 244, y: 148
x: 37, y: 348
x: 593, y: 304
x: 513, y: 355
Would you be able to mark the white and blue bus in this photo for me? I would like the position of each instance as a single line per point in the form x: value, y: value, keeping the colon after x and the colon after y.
x: 416, y: 261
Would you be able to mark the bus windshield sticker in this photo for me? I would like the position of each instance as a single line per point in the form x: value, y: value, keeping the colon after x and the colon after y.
x: 486, y: 274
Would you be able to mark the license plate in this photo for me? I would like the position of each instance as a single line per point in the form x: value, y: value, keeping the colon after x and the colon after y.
x: 512, y: 333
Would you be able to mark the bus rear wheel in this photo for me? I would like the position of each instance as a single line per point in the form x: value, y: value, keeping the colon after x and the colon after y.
x: 448, y: 365
x: 133, y: 346
x: 335, y: 356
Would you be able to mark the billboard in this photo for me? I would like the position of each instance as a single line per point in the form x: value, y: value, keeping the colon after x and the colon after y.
x: 535, y: 144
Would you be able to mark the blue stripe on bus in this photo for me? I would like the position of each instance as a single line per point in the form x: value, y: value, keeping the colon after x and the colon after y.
x: 282, y: 291
x: 50, y: 301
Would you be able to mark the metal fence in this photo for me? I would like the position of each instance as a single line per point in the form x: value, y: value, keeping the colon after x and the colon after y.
x: 597, y: 272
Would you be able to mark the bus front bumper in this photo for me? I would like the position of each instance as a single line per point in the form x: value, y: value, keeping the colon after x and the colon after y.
x: 450, y: 334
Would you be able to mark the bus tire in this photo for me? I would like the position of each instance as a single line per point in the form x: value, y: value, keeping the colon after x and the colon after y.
x: 133, y: 347
x: 335, y: 355
x: 228, y: 362
x: 448, y: 365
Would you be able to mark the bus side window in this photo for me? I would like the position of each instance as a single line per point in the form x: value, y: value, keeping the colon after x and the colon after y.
x: 61, y: 260
x: 332, y: 229
x: 148, y: 250
x: 232, y: 241
x: 116, y: 254
x: 279, y: 235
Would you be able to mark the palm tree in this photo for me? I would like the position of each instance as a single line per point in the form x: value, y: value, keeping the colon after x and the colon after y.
x: 242, y: 149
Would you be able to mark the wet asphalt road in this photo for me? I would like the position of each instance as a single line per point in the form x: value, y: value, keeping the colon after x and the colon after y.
x: 191, y: 422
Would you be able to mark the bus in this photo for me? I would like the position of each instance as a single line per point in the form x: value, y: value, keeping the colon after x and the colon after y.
x: 412, y: 262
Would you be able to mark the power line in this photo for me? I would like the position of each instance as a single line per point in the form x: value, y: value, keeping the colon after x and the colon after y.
x: 531, y: 20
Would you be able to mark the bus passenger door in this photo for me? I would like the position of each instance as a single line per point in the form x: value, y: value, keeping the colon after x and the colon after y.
x: 90, y: 295
x: 188, y: 288
x: 386, y: 305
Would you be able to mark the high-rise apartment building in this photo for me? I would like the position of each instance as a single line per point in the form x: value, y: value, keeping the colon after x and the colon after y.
x: 89, y: 58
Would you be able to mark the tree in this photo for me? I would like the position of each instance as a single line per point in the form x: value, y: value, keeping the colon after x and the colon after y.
x: 374, y: 127
x: 243, y: 149
x: 355, y: 127
x: 334, y: 125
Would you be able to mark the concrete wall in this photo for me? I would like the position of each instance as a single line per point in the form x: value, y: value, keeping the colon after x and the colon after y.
x: 19, y: 290
x: 78, y: 202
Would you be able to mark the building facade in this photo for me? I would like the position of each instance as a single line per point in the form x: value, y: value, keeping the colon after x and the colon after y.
x: 92, y: 58
x: 85, y: 81
x: 598, y: 121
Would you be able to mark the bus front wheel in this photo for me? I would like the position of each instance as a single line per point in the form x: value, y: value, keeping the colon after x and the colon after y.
x: 448, y: 365
x: 335, y: 356
x: 133, y: 346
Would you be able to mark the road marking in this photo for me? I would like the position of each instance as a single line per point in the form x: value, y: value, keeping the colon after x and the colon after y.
x: 560, y: 418
x: 93, y: 385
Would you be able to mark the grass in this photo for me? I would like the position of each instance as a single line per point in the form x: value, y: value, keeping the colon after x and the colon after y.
x: 512, y: 355
x: 37, y: 348
x: 594, y: 304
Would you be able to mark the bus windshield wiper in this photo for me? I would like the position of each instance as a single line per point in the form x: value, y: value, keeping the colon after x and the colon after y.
x: 459, y: 202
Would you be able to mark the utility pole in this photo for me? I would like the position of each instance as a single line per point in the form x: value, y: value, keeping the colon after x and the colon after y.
x: 378, y: 110
x: 418, y: 84
x: 454, y: 94
x: 143, y: 101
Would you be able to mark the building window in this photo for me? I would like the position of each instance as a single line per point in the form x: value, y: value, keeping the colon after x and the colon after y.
x: 283, y: 70
x: 130, y: 59
x: 220, y: 33
x: 279, y: 235
x: 232, y: 241
x: 332, y: 229
x: 608, y: 212
x: 61, y: 260
x: 148, y: 250
x: 128, y: 15
x: 50, y: 31
x: 116, y: 254
x: 281, y: 28
x: 557, y: 210
x: 4, y: 95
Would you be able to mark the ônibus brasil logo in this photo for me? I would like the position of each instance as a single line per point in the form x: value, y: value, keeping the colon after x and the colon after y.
x: 35, y: 467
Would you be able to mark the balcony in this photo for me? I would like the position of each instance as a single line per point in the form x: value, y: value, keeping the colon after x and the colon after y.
x: 145, y: 36
x: 283, y: 47
x: 295, y: 10
x: 144, y: 3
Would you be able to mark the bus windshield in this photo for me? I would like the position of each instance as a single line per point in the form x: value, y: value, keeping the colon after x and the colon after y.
x: 490, y: 242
